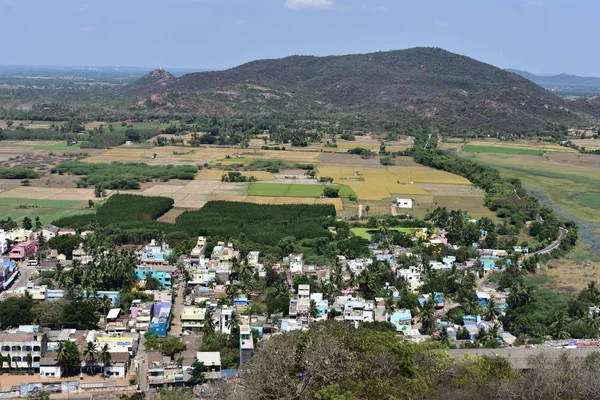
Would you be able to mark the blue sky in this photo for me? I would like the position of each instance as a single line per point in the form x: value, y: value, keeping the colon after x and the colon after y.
x: 536, y: 35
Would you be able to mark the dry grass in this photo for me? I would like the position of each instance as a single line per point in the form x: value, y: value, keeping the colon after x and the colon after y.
x: 47, y: 193
x: 282, y: 200
x: 165, y: 156
x: 572, y: 273
x: 216, y: 174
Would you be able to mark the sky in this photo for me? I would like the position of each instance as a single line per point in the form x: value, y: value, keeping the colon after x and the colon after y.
x: 540, y: 36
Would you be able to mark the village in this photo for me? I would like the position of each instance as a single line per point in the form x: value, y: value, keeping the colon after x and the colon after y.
x: 197, y: 318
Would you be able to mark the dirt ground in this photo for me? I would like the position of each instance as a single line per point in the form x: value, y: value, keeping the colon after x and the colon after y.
x: 347, y: 160
x: 173, y: 213
x: 48, y: 193
x: 576, y: 159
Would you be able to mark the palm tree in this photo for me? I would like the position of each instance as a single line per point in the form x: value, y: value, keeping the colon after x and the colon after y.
x: 209, y: 324
x: 313, y: 311
x: 428, y: 316
x: 90, y: 351
x: 389, y: 304
x: 593, y: 292
x: 1, y: 360
x: 491, y: 311
x: 29, y: 360
x: 443, y: 337
x: 9, y: 361
x: 368, y: 283
x: 104, y: 356
x: 482, y: 336
x: 232, y: 292
x: 234, y: 322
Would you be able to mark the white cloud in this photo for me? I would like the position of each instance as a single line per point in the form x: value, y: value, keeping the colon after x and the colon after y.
x: 441, y: 24
x: 535, y: 3
x: 89, y: 28
x: 315, y: 4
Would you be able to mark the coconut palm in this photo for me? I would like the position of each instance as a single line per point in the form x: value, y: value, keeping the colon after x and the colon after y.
x: 443, y: 337
x: 234, y: 322
x: 428, y: 316
x: 29, y: 360
x: 9, y: 362
x: 209, y: 324
x: 90, y: 351
x: 1, y: 362
x: 389, y: 305
x: 313, y: 311
x: 104, y: 356
x: 491, y: 310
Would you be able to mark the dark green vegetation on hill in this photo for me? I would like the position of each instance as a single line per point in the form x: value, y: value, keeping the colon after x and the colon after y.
x: 404, y: 91
x: 336, y: 361
x: 123, y: 175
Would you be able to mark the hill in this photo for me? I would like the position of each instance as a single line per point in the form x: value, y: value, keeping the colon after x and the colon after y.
x: 430, y: 84
x: 564, y: 84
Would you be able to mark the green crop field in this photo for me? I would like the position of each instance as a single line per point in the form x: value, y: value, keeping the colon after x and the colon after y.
x: 293, y: 190
x: 364, y: 232
x: 469, y: 148
x: 47, y: 210
x: 588, y: 200
x: 59, y: 146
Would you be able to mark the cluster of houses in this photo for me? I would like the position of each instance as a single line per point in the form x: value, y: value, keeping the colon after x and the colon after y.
x: 34, y: 348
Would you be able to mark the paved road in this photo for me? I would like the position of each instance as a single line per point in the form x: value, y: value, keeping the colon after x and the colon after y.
x: 142, y: 358
x: 176, y: 329
x: 562, y: 233
x: 25, y: 272
x: 518, y: 356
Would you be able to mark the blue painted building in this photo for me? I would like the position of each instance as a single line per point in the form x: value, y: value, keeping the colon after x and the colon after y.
x: 165, y: 278
x: 401, y: 320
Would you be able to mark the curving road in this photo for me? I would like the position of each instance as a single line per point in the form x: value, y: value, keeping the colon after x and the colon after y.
x: 562, y: 233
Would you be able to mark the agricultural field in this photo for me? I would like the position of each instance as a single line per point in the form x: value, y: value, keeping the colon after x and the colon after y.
x: 47, y: 210
x: 510, y: 147
x: 470, y: 148
x: 294, y: 190
x: 567, y: 184
x: 380, y: 184
x: 589, y: 144
x: 337, y: 203
x: 166, y: 155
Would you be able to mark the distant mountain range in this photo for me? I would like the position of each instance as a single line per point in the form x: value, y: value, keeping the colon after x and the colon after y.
x: 408, y: 88
x: 564, y: 84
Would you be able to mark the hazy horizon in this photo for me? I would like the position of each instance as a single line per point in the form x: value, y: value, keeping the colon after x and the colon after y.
x: 529, y: 35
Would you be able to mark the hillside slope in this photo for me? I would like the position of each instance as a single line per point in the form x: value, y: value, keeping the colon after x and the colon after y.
x: 455, y: 91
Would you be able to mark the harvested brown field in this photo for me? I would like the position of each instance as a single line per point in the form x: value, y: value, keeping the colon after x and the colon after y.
x: 282, y: 200
x: 199, y: 155
x: 472, y: 205
x: 46, y: 193
x: 347, y: 160
x: 171, y: 215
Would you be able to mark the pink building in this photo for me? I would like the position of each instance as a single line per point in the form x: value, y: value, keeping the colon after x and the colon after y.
x: 22, y: 250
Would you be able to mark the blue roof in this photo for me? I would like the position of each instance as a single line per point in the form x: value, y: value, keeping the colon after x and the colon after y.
x: 401, y: 316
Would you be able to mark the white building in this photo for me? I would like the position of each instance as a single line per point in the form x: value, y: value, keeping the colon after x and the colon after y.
x: 19, y: 343
x: 253, y: 257
x: 212, y: 362
x: 359, y: 310
x: 411, y: 275
x: 296, y: 263
x: 404, y: 203
x: 358, y: 265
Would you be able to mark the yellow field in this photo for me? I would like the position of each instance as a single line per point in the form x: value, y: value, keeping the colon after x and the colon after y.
x: 282, y: 200
x: 164, y: 155
x: 521, y: 145
x: 216, y: 174
x: 379, y: 184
